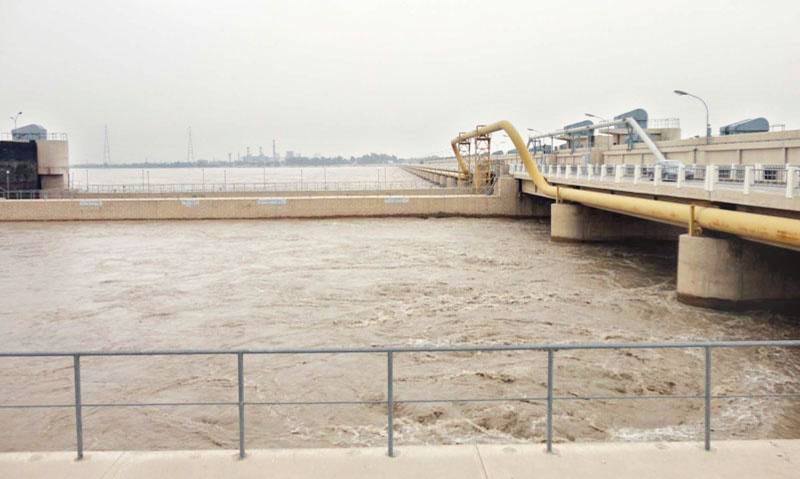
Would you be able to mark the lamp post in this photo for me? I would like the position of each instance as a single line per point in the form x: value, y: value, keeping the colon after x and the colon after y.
x: 708, y: 123
x: 8, y: 182
x: 14, y: 119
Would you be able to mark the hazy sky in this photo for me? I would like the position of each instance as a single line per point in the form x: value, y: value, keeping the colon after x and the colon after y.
x: 352, y: 77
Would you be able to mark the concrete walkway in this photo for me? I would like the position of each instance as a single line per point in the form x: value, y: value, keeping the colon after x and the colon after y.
x: 729, y: 459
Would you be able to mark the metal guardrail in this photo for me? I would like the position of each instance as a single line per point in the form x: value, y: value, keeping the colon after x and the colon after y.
x: 391, y: 401
x: 57, y: 136
x: 27, y: 194
x: 255, y: 187
x: 82, y: 191
x: 663, y: 123
x: 768, y: 178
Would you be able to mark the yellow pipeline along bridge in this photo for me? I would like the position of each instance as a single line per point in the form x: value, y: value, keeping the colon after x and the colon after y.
x: 775, y: 230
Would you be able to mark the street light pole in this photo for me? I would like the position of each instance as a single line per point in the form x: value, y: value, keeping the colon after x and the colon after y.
x: 708, y: 122
x: 14, y: 119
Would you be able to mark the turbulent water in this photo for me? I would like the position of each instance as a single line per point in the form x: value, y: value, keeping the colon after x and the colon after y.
x: 259, y: 284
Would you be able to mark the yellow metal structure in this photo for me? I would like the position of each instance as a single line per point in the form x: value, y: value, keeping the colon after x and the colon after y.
x: 462, y: 165
x: 775, y: 230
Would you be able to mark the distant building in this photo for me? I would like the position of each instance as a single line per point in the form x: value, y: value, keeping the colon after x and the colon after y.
x: 30, y: 132
x: 31, y: 162
x: 289, y: 154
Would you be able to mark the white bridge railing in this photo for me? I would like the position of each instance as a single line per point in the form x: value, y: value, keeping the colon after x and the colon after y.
x: 775, y: 179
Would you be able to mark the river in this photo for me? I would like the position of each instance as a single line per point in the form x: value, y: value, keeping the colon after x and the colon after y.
x: 364, y: 282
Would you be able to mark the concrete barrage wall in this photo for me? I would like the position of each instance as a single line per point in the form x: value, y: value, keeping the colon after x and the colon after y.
x: 505, y: 202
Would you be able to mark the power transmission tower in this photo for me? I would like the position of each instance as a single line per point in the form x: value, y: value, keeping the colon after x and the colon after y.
x: 106, y: 149
x: 190, y: 148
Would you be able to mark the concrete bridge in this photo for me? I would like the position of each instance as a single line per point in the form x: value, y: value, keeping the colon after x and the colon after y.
x: 737, y: 223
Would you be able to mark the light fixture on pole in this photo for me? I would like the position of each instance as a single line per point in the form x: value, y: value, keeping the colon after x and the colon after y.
x: 708, y: 123
x: 14, y: 119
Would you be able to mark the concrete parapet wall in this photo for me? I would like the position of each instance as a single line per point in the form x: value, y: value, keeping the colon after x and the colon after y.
x: 571, y: 222
x: 731, y: 273
x: 505, y: 202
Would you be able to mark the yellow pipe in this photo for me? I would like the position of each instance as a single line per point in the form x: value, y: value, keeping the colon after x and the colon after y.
x: 770, y: 229
x: 462, y: 165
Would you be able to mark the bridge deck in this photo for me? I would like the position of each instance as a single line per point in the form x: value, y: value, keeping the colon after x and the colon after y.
x: 758, y: 197
x: 729, y: 459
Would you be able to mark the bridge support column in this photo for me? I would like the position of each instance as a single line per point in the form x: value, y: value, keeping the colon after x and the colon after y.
x: 731, y: 273
x: 572, y: 222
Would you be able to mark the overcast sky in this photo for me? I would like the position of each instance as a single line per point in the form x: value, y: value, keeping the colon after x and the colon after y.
x: 352, y: 77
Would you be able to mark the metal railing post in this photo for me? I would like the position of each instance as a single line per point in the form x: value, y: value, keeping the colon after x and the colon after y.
x: 240, y: 374
x: 549, y: 400
x: 790, y: 173
x: 390, y: 401
x: 748, y: 180
x: 76, y: 364
x: 708, y: 400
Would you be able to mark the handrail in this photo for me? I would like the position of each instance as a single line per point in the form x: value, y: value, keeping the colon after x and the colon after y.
x: 779, y: 231
x: 390, y: 401
x: 413, y: 349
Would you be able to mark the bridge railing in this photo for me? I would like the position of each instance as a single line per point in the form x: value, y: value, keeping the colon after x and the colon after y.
x: 8, y: 136
x: 774, y: 179
x: 210, y: 188
x: 390, y: 401
x: 160, y: 188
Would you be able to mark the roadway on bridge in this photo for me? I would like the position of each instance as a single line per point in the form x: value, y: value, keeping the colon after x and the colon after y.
x: 728, y: 459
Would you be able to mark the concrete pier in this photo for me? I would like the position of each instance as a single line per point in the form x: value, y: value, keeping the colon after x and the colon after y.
x: 572, y: 222
x: 731, y: 273
x: 728, y: 459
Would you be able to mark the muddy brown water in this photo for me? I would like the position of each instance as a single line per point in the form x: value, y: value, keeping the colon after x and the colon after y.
x: 365, y: 282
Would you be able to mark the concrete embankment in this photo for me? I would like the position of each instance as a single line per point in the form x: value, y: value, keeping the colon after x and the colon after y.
x: 729, y: 459
x: 504, y: 202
